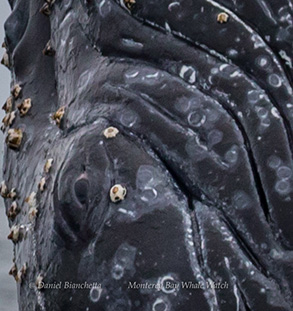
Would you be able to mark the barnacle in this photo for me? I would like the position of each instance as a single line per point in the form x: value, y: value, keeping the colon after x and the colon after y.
x: 48, y: 50
x: 117, y: 193
x: 58, y: 115
x: 111, y: 132
x: 8, y: 104
x: 31, y: 200
x: 5, y: 60
x: 16, y: 90
x: 14, y: 138
x: 8, y: 119
x: 24, y: 107
x: 129, y: 3
x: 39, y: 281
x: 32, y: 214
x: 13, y: 210
x: 222, y: 17
x: 12, y: 194
x: 48, y: 165
x: 42, y: 184
x: 45, y: 9
x: 15, y: 233
x: 13, y: 271
x: 4, y: 190
x: 21, y: 273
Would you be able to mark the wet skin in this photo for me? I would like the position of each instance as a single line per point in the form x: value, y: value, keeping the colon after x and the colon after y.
x: 204, y: 150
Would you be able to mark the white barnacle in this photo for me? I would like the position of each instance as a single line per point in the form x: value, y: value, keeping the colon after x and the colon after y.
x: 42, y: 184
x: 117, y: 193
x: 11, y: 118
x: 33, y: 213
x: 31, y: 200
x: 8, y: 118
x: 188, y: 74
x: 5, y: 60
x: 14, y: 234
x: 16, y: 90
x: 111, y: 132
x: 8, y: 104
x: 39, y: 281
x: 48, y: 50
x: 24, y: 107
x: 12, y: 194
x: 129, y: 4
x: 13, y: 271
x: 4, y: 190
x: 58, y: 115
x: 222, y: 18
x: 13, y: 210
x: 14, y: 138
x: 48, y: 165
x: 45, y: 9
x: 21, y: 273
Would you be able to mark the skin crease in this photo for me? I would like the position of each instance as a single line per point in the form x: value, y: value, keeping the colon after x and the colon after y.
x: 202, y: 148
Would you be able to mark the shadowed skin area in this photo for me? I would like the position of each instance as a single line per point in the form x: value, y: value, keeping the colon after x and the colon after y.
x: 205, y: 118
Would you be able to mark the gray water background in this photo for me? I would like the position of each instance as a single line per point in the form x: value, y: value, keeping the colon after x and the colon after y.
x: 8, y: 300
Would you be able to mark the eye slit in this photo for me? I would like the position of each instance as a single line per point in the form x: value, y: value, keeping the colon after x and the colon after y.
x: 81, y: 190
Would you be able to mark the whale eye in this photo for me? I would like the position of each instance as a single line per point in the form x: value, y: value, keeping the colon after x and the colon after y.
x: 81, y: 190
